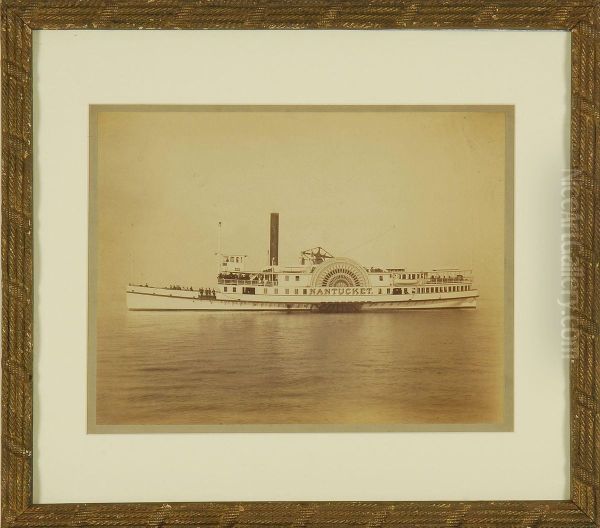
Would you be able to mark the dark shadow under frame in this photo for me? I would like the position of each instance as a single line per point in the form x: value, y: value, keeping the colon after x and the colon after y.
x: 21, y: 17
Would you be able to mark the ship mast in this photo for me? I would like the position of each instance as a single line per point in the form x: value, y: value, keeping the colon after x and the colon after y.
x: 219, y: 239
x: 218, y: 253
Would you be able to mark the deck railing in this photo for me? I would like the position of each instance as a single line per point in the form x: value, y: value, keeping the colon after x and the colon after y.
x: 240, y: 282
x: 446, y: 280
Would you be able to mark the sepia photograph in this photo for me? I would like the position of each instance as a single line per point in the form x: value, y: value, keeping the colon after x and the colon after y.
x: 300, y: 268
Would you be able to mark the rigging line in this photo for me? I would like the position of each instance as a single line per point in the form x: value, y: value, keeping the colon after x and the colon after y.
x: 370, y: 240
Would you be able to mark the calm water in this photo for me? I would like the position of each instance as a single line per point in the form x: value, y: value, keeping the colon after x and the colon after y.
x: 411, y: 367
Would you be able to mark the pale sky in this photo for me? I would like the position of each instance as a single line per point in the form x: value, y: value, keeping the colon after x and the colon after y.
x: 401, y: 188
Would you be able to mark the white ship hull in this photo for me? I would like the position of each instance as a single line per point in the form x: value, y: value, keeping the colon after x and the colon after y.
x: 148, y: 298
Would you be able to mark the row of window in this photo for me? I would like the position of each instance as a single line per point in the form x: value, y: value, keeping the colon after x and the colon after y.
x: 445, y: 289
x: 396, y: 291
x: 266, y: 291
x: 436, y: 289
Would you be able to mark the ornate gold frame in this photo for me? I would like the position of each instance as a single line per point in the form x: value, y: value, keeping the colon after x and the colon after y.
x: 21, y: 17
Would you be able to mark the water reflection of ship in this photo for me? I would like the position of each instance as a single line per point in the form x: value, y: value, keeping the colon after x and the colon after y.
x: 320, y: 282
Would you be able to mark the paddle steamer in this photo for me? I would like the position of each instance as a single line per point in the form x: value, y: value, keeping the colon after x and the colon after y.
x: 320, y: 282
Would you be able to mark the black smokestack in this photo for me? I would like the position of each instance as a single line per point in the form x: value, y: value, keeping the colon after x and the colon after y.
x: 274, y: 241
